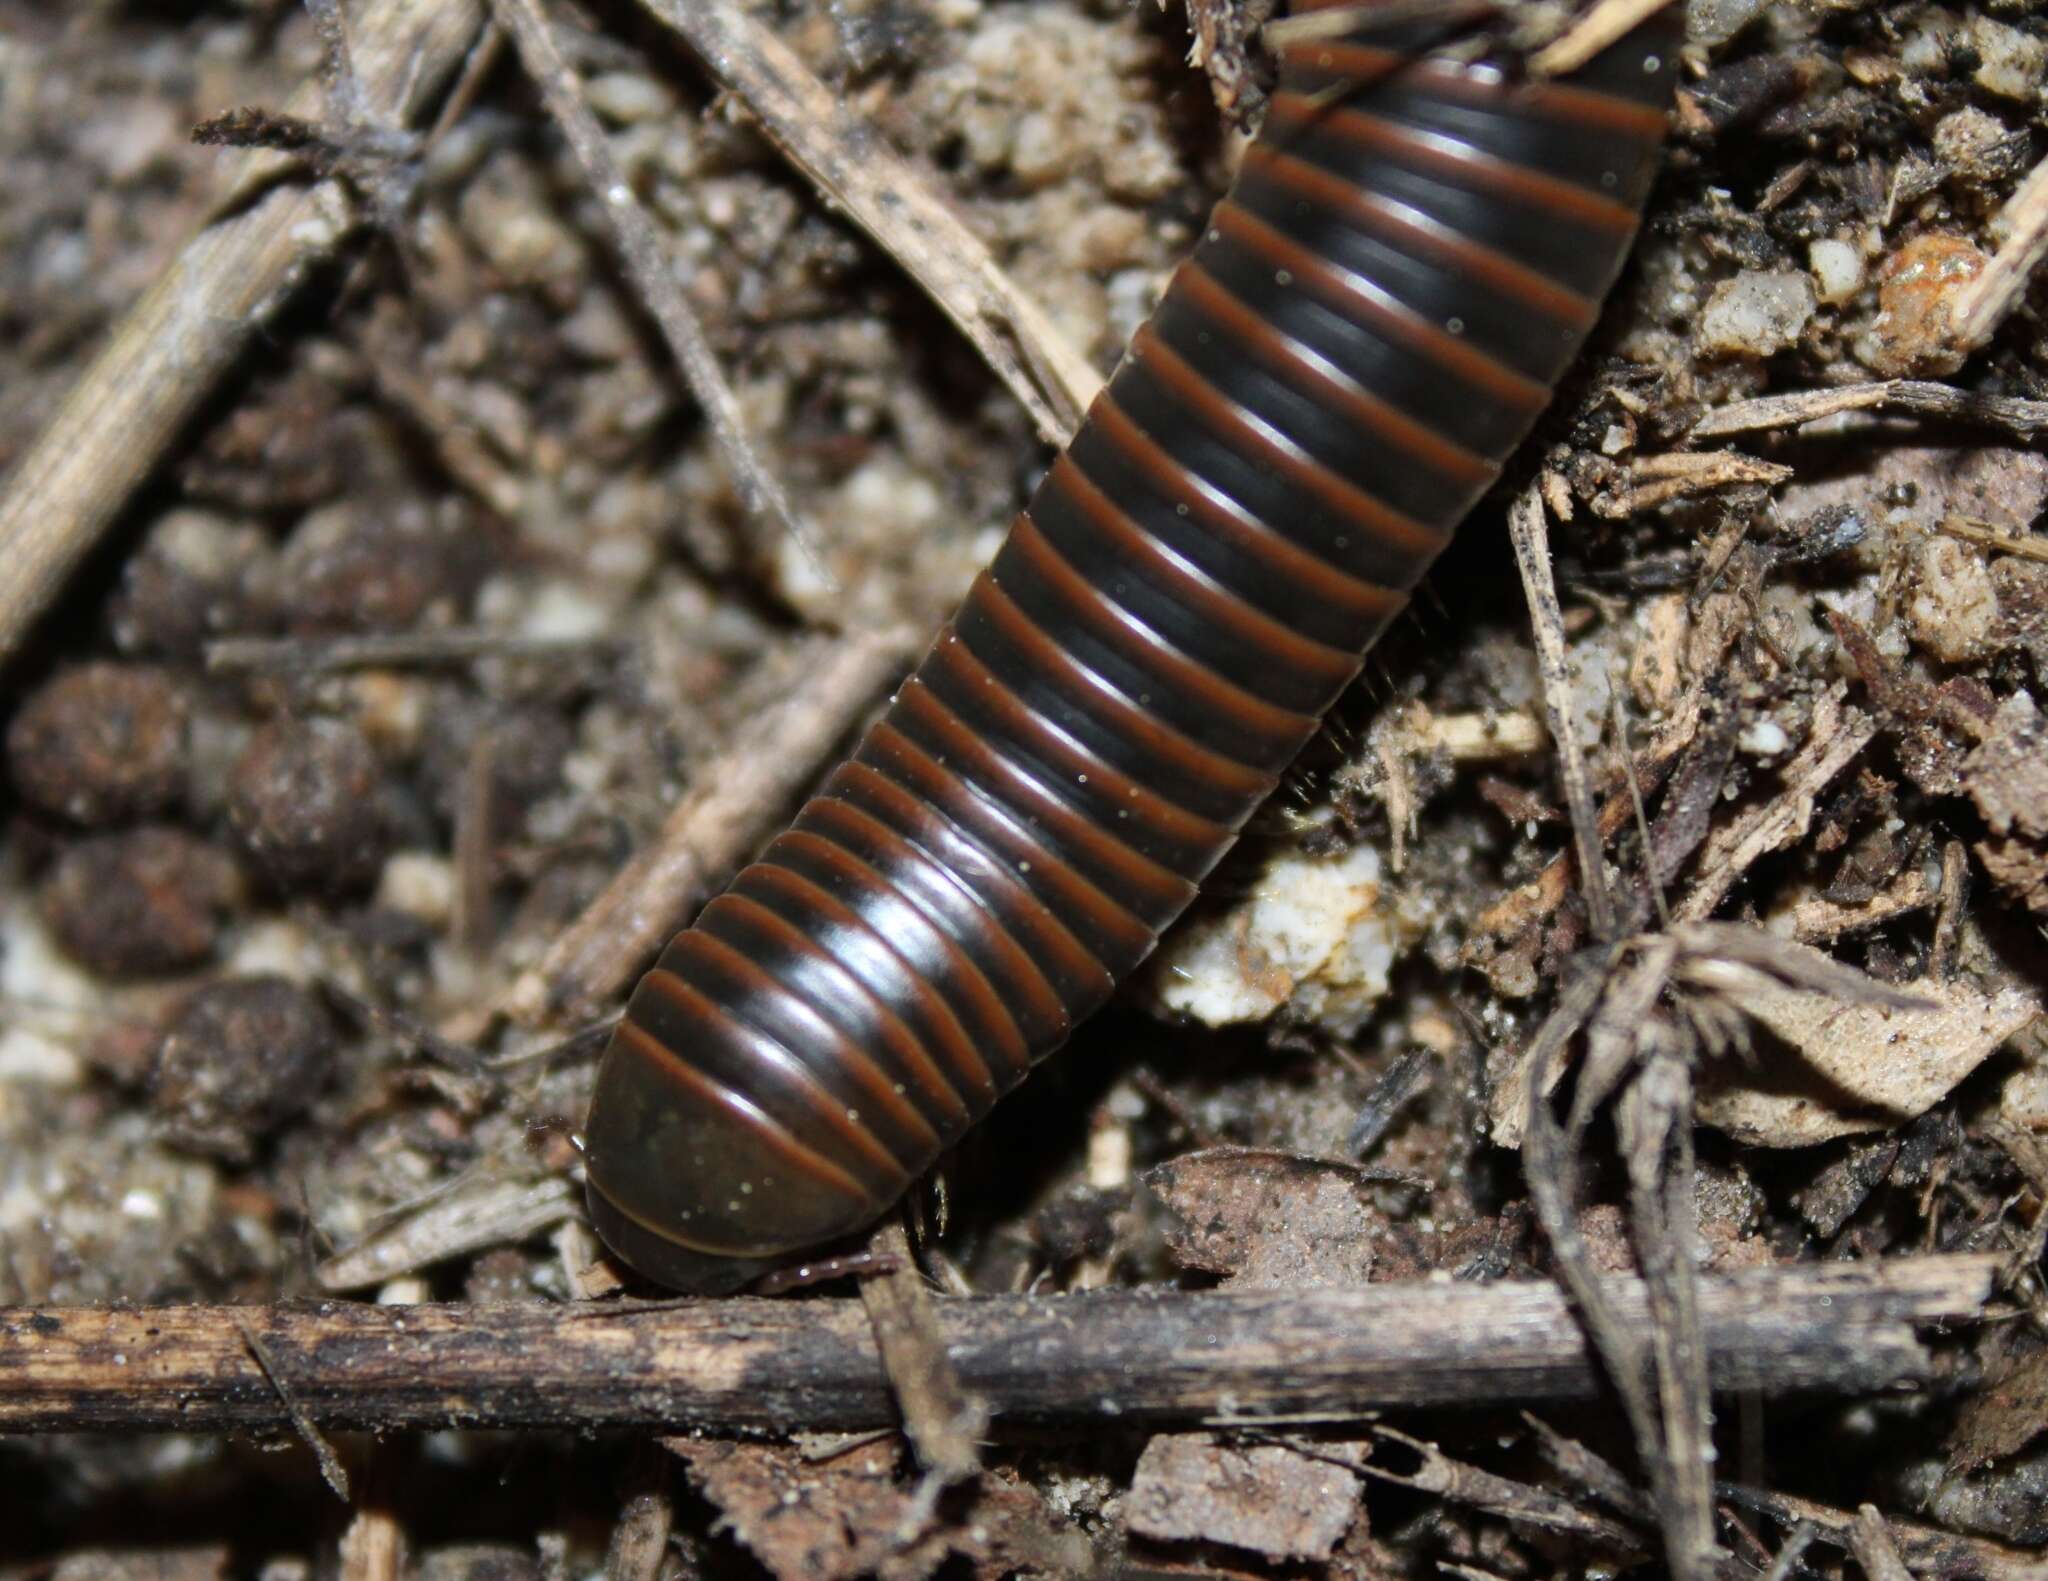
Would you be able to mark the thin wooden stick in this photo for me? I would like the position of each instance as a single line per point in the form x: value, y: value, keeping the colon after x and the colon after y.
x: 2033, y: 548
x: 942, y: 1420
x: 894, y: 203
x: 172, y: 347
x: 379, y: 650
x: 709, y: 832
x: 2022, y: 419
x: 651, y: 265
x: 1982, y: 305
x: 1105, y: 1356
x: 1928, y: 1550
x: 1531, y: 538
x: 1607, y: 23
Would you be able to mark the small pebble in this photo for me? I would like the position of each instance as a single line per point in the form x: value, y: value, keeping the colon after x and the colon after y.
x: 2011, y: 64
x: 1715, y: 22
x: 1837, y: 269
x: 1757, y: 314
x: 1954, y: 609
x: 498, y: 1277
x: 139, y: 903
x: 1913, y: 334
x: 239, y: 1059
x: 303, y: 797
x: 513, y: 221
x: 100, y: 743
x: 627, y: 97
x: 1978, y: 146
x: 420, y: 884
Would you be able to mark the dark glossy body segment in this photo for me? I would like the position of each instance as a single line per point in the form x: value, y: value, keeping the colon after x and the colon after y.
x: 1410, y: 258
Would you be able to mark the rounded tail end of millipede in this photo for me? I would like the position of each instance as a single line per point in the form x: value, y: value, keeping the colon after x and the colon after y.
x: 692, y: 1187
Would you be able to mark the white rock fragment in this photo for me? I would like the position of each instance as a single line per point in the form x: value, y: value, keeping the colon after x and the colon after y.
x: 2023, y: 1100
x: 421, y: 883
x: 1954, y: 609
x: 1757, y: 314
x: 277, y: 946
x: 26, y: 1055
x: 1317, y: 934
x: 1837, y: 269
x: 2011, y: 64
x: 626, y: 97
x: 1763, y: 738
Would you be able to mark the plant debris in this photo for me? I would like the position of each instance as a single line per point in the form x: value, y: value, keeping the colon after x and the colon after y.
x: 405, y: 631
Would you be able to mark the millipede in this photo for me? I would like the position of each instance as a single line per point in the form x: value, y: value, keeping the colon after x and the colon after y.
x: 1412, y: 254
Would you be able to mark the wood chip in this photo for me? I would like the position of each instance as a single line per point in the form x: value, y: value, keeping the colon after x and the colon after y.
x: 2005, y: 1416
x: 1607, y: 23
x: 1838, y: 734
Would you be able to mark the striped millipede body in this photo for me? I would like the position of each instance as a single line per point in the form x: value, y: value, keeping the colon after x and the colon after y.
x: 1411, y: 256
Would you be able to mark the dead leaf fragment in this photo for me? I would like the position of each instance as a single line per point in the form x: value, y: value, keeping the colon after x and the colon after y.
x: 854, y: 1515
x: 1194, y: 1487
x: 2003, y: 1417
x: 1850, y: 1068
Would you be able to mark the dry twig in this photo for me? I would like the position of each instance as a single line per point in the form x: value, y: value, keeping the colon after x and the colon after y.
x: 640, y: 1539
x: 1660, y: 1388
x: 1873, y: 1547
x: 893, y: 203
x: 943, y: 1420
x: 649, y: 263
x: 1837, y: 735
x: 173, y: 346
x: 1532, y: 555
x: 1607, y: 23
x: 1124, y: 1355
x: 1924, y: 1549
x: 2021, y: 419
x: 709, y: 831
x: 391, y: 650
x: 1519, y: 1503
x: 332, y: 1472
x: 1987, y: 537
x: 470, y: 1215
x: 373, y: 1547
x: 1982, y: 304
x: 1658, y: 480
